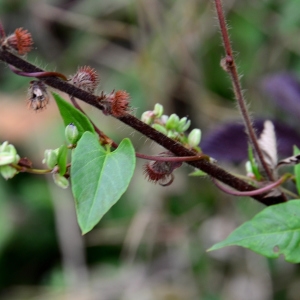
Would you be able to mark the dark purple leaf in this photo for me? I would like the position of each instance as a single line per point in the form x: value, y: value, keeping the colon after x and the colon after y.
x: 284, y: 89
x: 229, y: 142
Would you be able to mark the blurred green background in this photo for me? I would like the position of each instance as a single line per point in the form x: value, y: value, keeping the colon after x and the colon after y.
x: 151, y: 244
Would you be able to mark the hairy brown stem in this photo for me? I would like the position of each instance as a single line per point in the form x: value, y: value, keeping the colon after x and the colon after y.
x: 171, y: 145
x: 172, y: 158
x: 230, y: 66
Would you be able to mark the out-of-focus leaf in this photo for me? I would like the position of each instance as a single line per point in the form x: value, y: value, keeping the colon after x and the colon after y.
x: 198, y: 173
x: 6, y: 224
x: 284, y: 89
x: 229, y: 142
x: 273, y: 231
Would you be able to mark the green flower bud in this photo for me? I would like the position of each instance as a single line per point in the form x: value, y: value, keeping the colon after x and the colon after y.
x: 164, y: 119
x: 3, y: 146
x: 158, y: 110
x: 160, y: 128
x: 183, y: 124
x: 172, y: 122
x: 147, y: 117
x: 50, y: 158
x: 71, y: 134
x: 172, y: 134
x: 6, y: 158
x: 187, y: 125
x: 61, y: 181
x: 8, y: 172
x: 194, y: 137
x: 8, y: 154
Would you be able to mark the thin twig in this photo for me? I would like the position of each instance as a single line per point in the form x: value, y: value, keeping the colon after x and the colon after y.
x: 38, y: 74
x: 30, y: 170
x: 259, y: 191
x: 231, y: 68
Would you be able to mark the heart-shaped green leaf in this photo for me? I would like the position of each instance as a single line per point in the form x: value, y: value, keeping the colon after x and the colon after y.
x: 70, y: 114
x: 99, y: 178
x: 273, y: 231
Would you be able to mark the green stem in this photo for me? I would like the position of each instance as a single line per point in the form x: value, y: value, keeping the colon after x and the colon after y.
x: 30, y: 170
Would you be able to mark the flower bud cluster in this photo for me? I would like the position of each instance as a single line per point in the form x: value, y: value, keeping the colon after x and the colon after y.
x: 172, y: 126
x: 51, y: 160
x: 53, y: 157
x: 8, y: 155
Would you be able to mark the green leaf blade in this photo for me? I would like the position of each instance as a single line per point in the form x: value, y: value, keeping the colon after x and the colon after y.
x: 272, y: 232
x: 99, y: 178
x: 72, y: 115
x: 62, y: 159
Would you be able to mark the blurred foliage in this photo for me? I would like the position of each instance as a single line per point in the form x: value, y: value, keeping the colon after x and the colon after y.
x: 151, y: 244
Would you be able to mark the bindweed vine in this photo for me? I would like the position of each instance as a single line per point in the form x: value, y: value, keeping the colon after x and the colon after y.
x: 100, y: 169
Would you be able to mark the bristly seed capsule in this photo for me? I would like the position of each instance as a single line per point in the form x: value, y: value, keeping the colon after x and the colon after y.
x: 20, y: 41
x: 38, y: 97
x: 86, y: 78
